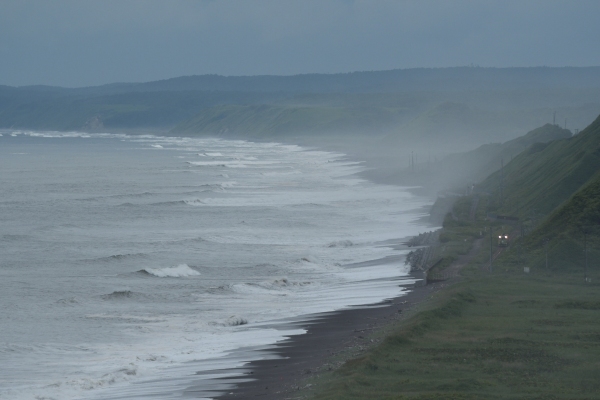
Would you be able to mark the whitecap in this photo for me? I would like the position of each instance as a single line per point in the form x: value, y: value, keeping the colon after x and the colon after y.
x: 180, y: 271
x: 231, y: 164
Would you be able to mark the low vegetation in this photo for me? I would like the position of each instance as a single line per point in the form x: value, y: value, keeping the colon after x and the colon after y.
x: 500, y: 336
x: 504, y: 334
x: 528, y: 328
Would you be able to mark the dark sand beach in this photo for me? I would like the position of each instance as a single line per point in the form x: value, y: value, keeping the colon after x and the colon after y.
x: 344, y: 332
x: 331, y: 338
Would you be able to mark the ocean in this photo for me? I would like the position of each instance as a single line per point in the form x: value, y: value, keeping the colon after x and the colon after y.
x: 129, y: 263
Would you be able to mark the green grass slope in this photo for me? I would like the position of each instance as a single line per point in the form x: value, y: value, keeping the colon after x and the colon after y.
x: 460, y: 169
x: 567, y: 234
x: 492, y: 339
x: 581, y: 210
x: 546, y: 175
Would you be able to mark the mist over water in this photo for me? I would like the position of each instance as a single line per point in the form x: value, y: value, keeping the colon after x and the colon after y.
x: 124, y: 259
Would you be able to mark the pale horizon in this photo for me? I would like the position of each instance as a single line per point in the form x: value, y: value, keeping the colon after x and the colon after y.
x: 74, y: 44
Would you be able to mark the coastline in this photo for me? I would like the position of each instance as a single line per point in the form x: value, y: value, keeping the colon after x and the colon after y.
x: 330, y: 340
x: 336, y: 334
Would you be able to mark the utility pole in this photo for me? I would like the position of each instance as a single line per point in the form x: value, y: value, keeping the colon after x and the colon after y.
x: 586, y: 255
x: 491, y: 247
x: 587, y: 229
x: 501, y: 181
x: 521, y: 244
x: 565, y: 123
x: 554, y: 119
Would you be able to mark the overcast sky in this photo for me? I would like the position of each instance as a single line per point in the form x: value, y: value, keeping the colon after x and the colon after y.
x: 81, y: 43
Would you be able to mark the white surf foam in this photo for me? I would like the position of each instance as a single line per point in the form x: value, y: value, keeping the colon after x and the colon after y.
x: 290, y: 216
x: 180, y: 271
x: 232, y: 164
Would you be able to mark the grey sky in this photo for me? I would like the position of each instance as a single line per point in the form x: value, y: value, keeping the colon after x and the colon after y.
x: 80, y: 42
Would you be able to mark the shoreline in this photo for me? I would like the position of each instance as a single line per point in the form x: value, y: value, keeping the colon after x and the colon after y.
x: 343, y: 333
x: 286, y: 365
x: 279, y: 369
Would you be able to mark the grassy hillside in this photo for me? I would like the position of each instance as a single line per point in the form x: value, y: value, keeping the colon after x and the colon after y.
x: 474, y: 166
x: 457, y: 171
x: 581, y: 210
x: 272, y: 120
x: 488, y: 338
x: 64, y: 110
x: 501, y: 333
x: 565, y: 236
x: 543, y: 177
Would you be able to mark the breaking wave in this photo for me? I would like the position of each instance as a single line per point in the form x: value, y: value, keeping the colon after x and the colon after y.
x: 180, y: 271
x: 231, y: 164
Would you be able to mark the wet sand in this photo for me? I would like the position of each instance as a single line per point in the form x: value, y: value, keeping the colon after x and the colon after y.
x: 302, y: 356
x: 283, y: 372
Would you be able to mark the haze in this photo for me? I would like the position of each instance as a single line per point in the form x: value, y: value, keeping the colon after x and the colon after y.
x: 81, y: 43
x: 206, y: 198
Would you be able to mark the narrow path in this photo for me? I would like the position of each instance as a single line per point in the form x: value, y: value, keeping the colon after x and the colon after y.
x: 465, y: 259
x: 453, y: 269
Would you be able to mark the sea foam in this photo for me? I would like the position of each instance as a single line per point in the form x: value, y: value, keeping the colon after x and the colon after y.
x: 180, y: 271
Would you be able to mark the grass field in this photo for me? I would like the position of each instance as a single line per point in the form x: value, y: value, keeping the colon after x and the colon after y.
x: 499, y: 336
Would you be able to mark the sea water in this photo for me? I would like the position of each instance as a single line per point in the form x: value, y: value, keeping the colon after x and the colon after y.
x: 130, y: 263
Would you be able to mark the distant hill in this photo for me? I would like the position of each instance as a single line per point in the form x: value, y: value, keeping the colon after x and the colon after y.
x: 453, y: 108
x: 58, y: 110
x: 416, y: 79
x: 274, y: 121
